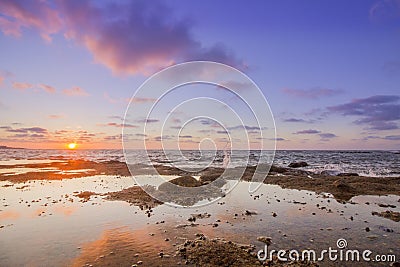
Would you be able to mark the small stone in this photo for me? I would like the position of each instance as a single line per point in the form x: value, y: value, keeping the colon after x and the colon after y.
x: 367, y: 229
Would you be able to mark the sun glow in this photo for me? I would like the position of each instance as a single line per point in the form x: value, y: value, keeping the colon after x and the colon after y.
x: 72, y: 145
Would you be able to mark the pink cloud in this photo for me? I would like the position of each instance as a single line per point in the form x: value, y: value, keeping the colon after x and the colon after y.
x: 1, y: 80
x: 55, y: 116
x: 47, y: 88
x: 119, y: 125
x: 75, y: 91
x: 142, y: 100
x: 22, y: 86
x: 35, y: 14
x: 128, y: 38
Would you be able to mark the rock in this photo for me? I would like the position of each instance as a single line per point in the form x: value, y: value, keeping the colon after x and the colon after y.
x: 277, y: 169
x: 186, y: 181
x: 250, y: 212
x: 266, y: 240
x: 386, y: 205
x: 298, y: 164
x: 392, y: 215
x: 348, y: 174
x: 367, y: 229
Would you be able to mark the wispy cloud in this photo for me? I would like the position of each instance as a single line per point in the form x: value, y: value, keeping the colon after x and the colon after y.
x: 22, y: 86
x: 47, y: 88
x: 142, y: 100
x: 327, y: 135
x: 119, y: 125
x: 392, y: 137
x: 379, y: 112
x: 55, y: 116
x: 37, y: 130
x: 148, y: 120
x: 310, y: 131
x: 385, y: 10
x: 298, y: 120
x: 75, y: 91
x: 312, y: 93
x: 246, y: 127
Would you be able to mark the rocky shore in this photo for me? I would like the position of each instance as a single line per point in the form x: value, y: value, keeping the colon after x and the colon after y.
x: 343, y: 186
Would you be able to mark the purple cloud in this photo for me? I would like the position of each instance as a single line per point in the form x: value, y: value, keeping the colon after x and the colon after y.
x: 37, y: 130
x: 128, y: 37
x: 120, y: 125
x: 312, y: 93
x: 392, y: 137
x: 148, y: 120
x: 327, y: 135
x: 380, y: 112
x: 298, y: 120
x: 185, y: 136
x: 246, y: 127
x: 310, y: 131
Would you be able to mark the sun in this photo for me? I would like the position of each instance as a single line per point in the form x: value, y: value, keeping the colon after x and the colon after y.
x: 72, y: 145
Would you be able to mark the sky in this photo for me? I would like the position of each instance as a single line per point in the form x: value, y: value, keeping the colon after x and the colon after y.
x: 329, y: 70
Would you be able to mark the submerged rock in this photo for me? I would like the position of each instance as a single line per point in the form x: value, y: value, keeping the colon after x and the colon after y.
x: 185, y: 181
x: 298, y: 164
x: 392, y: 215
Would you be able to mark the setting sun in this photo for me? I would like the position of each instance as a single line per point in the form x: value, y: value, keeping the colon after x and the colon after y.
x: 72, y: 145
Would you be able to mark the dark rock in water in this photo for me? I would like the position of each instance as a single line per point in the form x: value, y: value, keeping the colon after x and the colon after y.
x: 348, y: 174
x: 367, y: 229
x: 386, y: 205
x: 250, y: 212
x: 277, y: 169
x: 383, y: 228
x: 186, y: 181
x: 298, y: 164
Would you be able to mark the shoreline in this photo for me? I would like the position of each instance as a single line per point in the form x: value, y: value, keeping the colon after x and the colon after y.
x: 342, y: 187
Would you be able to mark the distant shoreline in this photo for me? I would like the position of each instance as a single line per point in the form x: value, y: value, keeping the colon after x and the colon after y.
x: 7, y: 147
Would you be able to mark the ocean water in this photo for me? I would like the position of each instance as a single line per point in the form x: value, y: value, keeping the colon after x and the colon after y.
x: 366, y: 163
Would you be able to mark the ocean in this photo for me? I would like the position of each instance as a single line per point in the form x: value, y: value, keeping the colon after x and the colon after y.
x: 365, y: 163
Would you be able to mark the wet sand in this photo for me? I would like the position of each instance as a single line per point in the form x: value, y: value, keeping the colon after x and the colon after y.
x: 104, y: 219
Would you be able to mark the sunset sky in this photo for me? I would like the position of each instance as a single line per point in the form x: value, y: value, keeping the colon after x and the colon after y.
x: 330, y: 70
